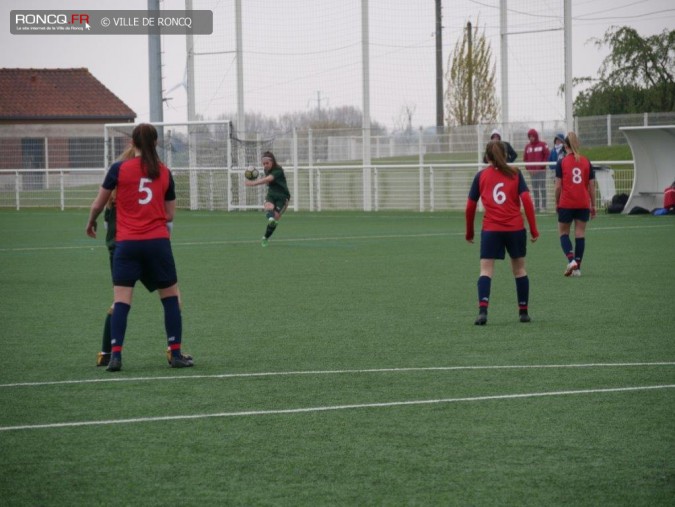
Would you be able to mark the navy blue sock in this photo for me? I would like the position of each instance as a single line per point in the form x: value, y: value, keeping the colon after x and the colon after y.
x: 173, y: 323
x: 566, y: 245
x: 579, y: 247
x: 118, y: 328
x: 484, y: 283
x: 523, y: 293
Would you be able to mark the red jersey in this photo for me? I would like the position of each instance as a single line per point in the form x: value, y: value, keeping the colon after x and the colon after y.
x: 574, y: 177
x: 140, y: 200
x: 500, y: 195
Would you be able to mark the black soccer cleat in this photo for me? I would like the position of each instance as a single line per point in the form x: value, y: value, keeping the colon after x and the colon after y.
x: 181, y: 361
x: 169, y: 356
x: 481, y: 320
x: 524, y: 317
x: 114, y: 365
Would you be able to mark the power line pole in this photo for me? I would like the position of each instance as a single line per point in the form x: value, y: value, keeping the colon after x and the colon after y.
x: 469, y: 64
x: 439, y: 69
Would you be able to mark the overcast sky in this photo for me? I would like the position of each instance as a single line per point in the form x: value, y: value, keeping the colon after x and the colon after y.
x: 400, y: 32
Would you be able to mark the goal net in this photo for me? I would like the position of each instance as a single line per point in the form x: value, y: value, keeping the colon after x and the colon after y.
x: 207, y: 162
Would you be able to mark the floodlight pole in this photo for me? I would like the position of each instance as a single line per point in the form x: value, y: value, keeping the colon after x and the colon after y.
x: 504, y: 68
x: 365, y: 63
x: 569, y: 92
x: 155, y: 78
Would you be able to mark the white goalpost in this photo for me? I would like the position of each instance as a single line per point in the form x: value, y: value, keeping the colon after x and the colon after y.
x: 206, y: 159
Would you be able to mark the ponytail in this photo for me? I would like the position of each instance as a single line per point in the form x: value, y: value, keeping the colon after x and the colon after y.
x: 495, y: 153
x: 572, y: 144
x: 144, y: 137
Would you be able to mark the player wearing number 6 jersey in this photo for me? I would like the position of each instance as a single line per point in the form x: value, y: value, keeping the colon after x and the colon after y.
x: 574, y: 198
x: 501, y: 188
x: 146, y: 201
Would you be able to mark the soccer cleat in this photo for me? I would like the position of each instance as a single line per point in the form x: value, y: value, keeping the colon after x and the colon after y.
x: 571, y: 267
x: 481, y: 320
x: 168, y: 356
x: 264, y: 242
x: 181, y: 361
x: 524, y: 317
x: 576, y: 273
x: 102, y: 359
x: 114, y: 365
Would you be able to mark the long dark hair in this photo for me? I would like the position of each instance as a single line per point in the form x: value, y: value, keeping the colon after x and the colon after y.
x: 270, y: 155
x: 495, y: 153
x: 144, y: 137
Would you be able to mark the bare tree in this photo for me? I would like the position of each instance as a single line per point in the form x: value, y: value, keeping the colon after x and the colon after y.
x: 403, y: 123
x: 470, y: 97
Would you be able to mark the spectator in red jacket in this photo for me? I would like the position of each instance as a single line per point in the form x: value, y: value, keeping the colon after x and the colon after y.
x: 669, y: 198
x: 537, y: 151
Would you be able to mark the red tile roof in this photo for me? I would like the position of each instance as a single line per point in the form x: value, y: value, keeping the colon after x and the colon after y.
x: 58, y: 94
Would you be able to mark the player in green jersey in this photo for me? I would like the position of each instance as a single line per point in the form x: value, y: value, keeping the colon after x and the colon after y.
x: 278, y: 195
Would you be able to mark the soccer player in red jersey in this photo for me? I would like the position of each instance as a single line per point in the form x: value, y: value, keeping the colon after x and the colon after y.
x: 501, y: 188
x: 145, y: 202
x: 575, y: 202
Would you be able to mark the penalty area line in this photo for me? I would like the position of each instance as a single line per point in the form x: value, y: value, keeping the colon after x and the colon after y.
x: 305, y: 410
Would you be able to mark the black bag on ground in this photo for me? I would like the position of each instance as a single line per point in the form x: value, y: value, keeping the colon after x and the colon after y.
x: 618, y: 203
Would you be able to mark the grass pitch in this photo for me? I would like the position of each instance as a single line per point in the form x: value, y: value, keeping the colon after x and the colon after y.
x: 340, y: 366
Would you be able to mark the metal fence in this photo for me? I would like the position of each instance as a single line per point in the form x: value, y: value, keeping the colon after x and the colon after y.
x: 63, y: 165
x: 412, y: 187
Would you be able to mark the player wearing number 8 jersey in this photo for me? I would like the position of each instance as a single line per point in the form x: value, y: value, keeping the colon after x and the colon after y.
x: 574, y: 197
x: 146, y: 201
x: 501, y: 188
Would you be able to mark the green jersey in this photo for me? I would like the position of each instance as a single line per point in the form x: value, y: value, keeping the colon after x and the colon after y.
x: 278, y: 188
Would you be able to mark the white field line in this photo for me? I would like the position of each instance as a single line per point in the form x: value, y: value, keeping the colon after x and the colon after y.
x: 299, y: 240
x: 249, y: 413
x: 331, y: 372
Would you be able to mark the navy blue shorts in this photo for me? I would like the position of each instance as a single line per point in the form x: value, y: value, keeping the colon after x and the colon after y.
x: 149, y: 260
x: 493, y: 244
x: 151, y: 286
x: 568, y: 215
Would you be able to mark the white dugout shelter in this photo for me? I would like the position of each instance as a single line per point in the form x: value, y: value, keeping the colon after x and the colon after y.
x: 652, y: 149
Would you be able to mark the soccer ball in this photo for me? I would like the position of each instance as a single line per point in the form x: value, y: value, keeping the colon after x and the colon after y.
x: 251, y: 173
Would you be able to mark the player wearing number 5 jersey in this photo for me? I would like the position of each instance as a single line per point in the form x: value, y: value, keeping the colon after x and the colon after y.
x: 574, y: 198
x: 501, y: 188
x: 146, y: 201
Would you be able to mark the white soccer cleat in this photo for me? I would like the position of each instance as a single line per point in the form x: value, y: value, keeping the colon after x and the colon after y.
x: 571, y: 267
x: 576, y: 273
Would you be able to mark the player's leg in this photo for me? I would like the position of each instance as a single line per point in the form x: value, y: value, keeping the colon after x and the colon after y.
x: 522, y: 287
x: 173, y: 323
x: 580, y: 221
x: 517, y: 248
x: 126, y: 270
x: 484, y: 286
x: 273, y: 211
x: 103, y: 357
x: 163, y: 271
x: 564, y: 225
x: 118, y: 324
x: 491, y: 248
x: 271, y: 222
